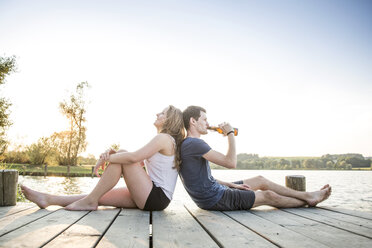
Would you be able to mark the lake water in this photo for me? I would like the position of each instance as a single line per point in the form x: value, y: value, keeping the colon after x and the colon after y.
x: 350, y: 189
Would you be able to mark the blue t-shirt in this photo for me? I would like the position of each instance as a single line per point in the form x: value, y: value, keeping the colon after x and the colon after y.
x: 195, y: 174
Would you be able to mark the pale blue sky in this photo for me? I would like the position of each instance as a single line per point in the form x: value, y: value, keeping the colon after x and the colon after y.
x: 293, y: 76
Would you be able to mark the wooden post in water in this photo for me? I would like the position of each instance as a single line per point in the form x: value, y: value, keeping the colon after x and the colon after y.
x: 8, y: 187
x: 296, y: 182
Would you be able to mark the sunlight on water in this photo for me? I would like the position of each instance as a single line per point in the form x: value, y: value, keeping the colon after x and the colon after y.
x: 350, y: 189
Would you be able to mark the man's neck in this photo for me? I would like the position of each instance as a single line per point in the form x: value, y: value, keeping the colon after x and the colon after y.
x: 193, y: 134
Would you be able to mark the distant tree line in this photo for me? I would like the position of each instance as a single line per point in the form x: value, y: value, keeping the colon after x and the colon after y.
x: 329, y: 162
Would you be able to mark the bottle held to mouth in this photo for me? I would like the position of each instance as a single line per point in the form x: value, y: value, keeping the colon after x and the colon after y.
x: 219, y: 130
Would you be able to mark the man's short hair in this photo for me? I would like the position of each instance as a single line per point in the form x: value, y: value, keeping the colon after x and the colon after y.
x: 191, y: 111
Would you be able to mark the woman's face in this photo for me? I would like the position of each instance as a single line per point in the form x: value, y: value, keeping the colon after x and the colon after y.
x: 161, y: 117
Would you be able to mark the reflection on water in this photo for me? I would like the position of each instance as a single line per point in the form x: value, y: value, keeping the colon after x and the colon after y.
x: 350, y: 189
x: 71, y: 185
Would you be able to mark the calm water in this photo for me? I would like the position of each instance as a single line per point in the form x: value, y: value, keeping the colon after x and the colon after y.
x: 350, y: 189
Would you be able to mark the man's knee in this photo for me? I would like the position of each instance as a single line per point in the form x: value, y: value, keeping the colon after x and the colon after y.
x: 270, y: 196
x: 263, y: 185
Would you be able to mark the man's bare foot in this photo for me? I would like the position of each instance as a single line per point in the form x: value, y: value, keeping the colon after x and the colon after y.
x: 319, y: 196
x: 40, y: 199
x: 82, y: 204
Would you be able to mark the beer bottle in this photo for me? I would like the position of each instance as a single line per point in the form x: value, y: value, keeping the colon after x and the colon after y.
x: 219, y: 130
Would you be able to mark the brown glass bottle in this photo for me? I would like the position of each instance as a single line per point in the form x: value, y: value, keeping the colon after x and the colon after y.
x: 219, y: 130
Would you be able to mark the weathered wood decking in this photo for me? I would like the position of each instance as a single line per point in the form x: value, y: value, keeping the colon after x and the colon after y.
x: 182, y: 224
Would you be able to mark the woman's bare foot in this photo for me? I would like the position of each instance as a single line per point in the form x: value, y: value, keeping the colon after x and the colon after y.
x: 83, y: 204
x: 319, y: 196
x: 40, y: 199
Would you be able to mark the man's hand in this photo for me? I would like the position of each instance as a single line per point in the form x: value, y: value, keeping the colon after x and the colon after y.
x: 225, y: 127
x: 240, y: 186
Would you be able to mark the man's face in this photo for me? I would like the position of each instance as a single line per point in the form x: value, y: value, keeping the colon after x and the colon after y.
x: 202, y: 123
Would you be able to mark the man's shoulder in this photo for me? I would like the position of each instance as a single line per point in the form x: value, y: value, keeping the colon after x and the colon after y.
x: 194, y: 146
x: 193, y: 141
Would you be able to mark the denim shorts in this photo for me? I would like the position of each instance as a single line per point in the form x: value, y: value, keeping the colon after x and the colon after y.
x: 235, y: 199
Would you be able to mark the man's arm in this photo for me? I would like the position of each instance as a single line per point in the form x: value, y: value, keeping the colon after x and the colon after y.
x: 228, y: 160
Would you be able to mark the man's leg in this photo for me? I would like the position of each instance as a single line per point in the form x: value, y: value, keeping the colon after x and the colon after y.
x: 311, y: 198
x: 268, y: 197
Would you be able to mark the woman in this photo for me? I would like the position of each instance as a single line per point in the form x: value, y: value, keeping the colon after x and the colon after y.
x: 152, y: 191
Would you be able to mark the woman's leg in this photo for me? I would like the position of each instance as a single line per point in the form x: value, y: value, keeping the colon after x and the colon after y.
x: 107, y: 181
x: 138, y: 182
x: 139, y: 186
x: 118, y: 197
x: 44, y: 200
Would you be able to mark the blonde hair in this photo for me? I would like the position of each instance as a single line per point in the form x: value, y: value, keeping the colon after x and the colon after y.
x: 174, y: 126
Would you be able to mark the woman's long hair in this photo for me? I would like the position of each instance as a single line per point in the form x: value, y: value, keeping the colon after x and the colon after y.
x: 174, y: 126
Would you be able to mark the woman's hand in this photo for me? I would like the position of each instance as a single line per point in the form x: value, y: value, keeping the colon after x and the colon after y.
x: 100, y: 163
x: 103, y: 158
x: 106, y: 155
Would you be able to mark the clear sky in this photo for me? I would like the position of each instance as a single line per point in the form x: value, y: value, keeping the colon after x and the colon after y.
x: 293, y: 76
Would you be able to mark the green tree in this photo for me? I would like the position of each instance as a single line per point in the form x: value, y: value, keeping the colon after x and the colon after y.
x: 18, y: 155
x: 75, y: 110
x: 7, y: 66
x: 38, y: 152
x: 330, y: 165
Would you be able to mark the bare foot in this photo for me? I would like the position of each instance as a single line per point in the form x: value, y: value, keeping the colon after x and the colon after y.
x: 325, y: 186
x: 319, y: 196
x: 41, y: 199
x: 82, y: 204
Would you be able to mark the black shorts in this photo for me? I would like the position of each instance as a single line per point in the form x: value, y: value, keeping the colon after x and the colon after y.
x: 235, y: 199
x: 157, y: 200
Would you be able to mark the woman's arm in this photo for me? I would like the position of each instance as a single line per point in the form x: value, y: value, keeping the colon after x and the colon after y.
x: 158, y: 143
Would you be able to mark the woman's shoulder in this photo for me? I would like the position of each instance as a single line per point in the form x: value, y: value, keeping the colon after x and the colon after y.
x: 166, y: 139
x: 164, y: 136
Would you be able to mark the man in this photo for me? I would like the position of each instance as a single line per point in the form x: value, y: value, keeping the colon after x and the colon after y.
x: 212, y: 194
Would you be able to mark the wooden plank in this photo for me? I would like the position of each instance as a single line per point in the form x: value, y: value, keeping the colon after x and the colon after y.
x: 176, y: 227
x: 275, y: 233
x: 225, y: 231
x: 41, y: 231
x: 328, y: 235
x: 15, y: 221
x: 87, y: 231
x: 363, y: 231
x: 9, y: 210
x: 343, y: 217
x: 130, y: 229
x: 361, y: 214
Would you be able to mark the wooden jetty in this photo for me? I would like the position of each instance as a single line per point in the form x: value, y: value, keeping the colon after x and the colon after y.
x: 183, y: 224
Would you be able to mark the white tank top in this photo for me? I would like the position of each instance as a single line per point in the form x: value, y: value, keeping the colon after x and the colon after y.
x: 162, y: 173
